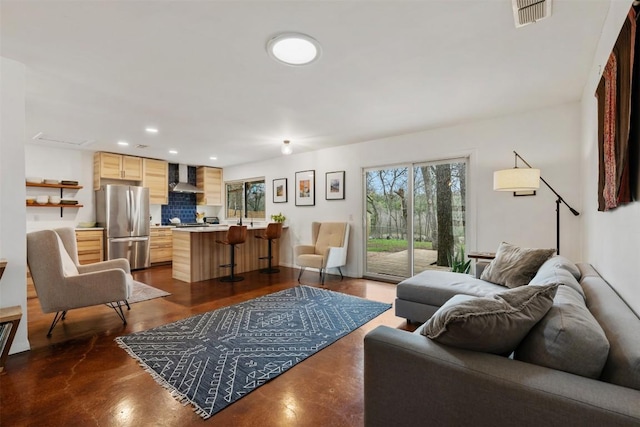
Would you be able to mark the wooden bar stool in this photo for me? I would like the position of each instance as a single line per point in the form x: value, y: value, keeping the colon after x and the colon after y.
x: 273, y: 231
x: 236, y: 235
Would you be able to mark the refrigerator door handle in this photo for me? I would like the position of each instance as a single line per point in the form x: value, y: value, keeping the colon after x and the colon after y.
x: 130, y: 239
x: 130, y: 209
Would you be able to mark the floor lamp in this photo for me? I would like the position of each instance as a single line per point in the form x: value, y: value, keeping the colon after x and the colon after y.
x: 528, y: 179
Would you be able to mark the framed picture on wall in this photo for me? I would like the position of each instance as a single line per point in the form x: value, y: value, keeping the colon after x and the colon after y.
x: 334, y: 186
x: 306, y: 188
x: 280, y: 190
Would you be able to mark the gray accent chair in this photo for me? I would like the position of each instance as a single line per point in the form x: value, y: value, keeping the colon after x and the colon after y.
x: 61, y: 288
x: 328, y: 248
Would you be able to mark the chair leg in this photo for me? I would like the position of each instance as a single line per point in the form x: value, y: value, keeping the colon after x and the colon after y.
x: 232, y: 277
x: 127, y: 303
x: 300, y: 274
x: 322, y: 276
x: 117, y: 307
x: 341, y: 276
x: 270, y: 268
x: 56, y: 319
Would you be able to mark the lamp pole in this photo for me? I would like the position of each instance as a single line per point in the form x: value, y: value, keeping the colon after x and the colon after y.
x: 558, y: 201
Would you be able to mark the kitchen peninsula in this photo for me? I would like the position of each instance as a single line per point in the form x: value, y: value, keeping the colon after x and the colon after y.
x: 197, y: 256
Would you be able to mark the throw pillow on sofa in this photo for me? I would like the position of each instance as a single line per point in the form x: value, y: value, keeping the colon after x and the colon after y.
x: 568, y: 338
x: 514, y: 266
x: 494, y: 324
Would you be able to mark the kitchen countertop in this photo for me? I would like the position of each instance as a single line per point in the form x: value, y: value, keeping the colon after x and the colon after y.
x: 161, y: 226
x: 221, y: 227
x: 89, y: 228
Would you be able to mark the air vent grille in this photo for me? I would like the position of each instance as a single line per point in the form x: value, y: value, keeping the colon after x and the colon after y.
x: 42, y: 137
x: 527, y: 12
x: 142, y: 146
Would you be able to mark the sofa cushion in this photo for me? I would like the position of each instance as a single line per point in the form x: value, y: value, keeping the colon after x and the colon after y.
x: 435, y: 288
x: 493, y: 325
x: 68, y: 266
x: 514, y: 266
x: 620, y: 324
x: 568, y: 338
x: 558, y: 269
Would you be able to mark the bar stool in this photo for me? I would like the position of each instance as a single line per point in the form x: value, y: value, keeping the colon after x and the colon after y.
x: 236, y: 235
x: 273, y: 231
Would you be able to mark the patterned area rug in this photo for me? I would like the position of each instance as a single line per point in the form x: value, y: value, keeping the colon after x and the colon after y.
x: 213, y: 359
x: 141, y: 292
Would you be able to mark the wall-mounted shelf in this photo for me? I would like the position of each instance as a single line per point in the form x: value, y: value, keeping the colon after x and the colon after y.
x: 62, y: 187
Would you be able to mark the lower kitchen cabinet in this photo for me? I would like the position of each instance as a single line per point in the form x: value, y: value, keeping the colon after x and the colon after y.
x: 90, y: 246
x: 161, y: 244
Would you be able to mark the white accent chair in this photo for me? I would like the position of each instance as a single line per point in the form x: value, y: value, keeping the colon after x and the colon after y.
x: 63, y: 284
x: 327, y: 250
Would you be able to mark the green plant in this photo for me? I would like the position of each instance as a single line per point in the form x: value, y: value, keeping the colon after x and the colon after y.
x: 457, y: 262
x: 278, y: 217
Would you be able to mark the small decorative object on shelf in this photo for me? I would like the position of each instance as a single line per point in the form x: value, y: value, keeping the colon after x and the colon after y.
x: 278, y: 217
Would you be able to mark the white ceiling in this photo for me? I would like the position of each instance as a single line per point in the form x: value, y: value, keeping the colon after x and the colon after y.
x: 198, y: 70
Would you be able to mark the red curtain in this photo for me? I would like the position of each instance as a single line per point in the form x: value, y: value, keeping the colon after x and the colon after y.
x: 617, y: 137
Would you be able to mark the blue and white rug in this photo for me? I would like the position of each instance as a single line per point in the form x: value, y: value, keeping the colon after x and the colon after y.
x: 213, y: 359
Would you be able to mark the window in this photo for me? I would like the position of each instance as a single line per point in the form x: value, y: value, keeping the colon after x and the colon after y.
x: 246, y: 199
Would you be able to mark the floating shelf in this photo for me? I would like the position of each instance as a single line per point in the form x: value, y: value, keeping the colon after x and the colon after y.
x: 51, y: 205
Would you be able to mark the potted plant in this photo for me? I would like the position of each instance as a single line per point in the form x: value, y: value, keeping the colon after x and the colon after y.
x: 278, y: 217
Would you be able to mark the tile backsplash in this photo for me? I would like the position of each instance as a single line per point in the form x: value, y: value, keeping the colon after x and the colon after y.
x: 181, y: 205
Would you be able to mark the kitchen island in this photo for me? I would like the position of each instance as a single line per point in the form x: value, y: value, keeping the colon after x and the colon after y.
x: 197, y: 256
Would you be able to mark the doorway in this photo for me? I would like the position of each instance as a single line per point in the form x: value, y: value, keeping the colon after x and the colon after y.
x: 415, y: 218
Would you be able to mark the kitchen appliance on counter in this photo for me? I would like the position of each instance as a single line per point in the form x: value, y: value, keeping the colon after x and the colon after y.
x: 211, y: 220
x: 123, y: 212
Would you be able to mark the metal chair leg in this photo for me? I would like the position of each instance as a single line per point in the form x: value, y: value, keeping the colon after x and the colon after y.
x: 300, y: 274
x: 341, y: 276
x: 117, y: 307
x: 56, y: 319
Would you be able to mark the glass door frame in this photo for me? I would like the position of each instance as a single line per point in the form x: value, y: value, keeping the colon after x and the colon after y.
x: 411, y: 166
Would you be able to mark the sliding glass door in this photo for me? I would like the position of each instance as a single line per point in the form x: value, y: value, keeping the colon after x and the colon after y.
x: 415, y: 218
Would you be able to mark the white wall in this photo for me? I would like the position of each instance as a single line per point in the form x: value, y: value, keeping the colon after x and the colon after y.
x: 13, y: 286
x: 612, y: 239
x: 59, y: 163
x: 548, y: 139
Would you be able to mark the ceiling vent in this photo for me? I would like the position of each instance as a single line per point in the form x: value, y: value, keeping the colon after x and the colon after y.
x: 42, y: 137
x: 142, y: 146
x: 527, y: 12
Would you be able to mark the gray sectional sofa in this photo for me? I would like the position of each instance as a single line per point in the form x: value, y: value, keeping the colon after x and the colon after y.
x: 578, y: 366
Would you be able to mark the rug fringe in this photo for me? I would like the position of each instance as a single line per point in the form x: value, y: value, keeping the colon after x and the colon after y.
x: 180, y: 397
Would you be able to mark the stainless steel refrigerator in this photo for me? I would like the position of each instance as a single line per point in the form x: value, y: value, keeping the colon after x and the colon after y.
x: 123, y: 211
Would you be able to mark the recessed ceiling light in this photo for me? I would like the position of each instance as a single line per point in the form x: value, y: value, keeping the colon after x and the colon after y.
x: 123, y: 143
x: 173, y: 152
x: 294, y: 49
x: 213, y: 158
x: 151, y: 130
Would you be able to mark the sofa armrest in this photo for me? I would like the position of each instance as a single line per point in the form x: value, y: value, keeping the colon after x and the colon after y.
x: 98, y: 287
x: 121, y: 263
x: 412, y: 380
x: 335, y: 256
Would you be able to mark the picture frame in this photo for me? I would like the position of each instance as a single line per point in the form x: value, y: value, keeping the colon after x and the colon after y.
x: 280, y: 191
x: 334, y: 185
x: 306, y: 188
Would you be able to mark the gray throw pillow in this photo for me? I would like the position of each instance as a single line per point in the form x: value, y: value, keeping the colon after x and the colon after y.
x: 494, y: 324
x: 568, y: 338
x: 514, y: 266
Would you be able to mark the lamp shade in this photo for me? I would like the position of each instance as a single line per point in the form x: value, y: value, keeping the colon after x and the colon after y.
x: 286, y: 148
x: 516, y: 179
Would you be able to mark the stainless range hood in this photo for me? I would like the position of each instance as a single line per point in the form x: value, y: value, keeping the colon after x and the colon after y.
x: 183, y: 186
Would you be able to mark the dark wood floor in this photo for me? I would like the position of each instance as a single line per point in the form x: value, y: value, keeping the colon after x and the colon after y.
x: 80, y: 377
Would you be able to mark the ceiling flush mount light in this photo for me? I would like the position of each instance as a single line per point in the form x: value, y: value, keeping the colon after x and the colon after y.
x: 286, y: 148
x: 173, y: 152
x: 213, y: 158
x: 123, y: 143
x: 151, y: 130
x: 294, y: 49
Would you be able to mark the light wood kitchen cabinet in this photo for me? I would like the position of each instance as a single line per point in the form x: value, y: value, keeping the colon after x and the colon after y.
x: 155, y: 176
x: 90, y: 246
x: 209, y: 180
x: 161, y: 244
x: 116, y: 166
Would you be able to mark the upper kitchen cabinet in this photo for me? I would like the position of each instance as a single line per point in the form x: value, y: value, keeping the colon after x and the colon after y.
x: 116, y: 166
x: 155, y: 176
x: 209, y: 180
